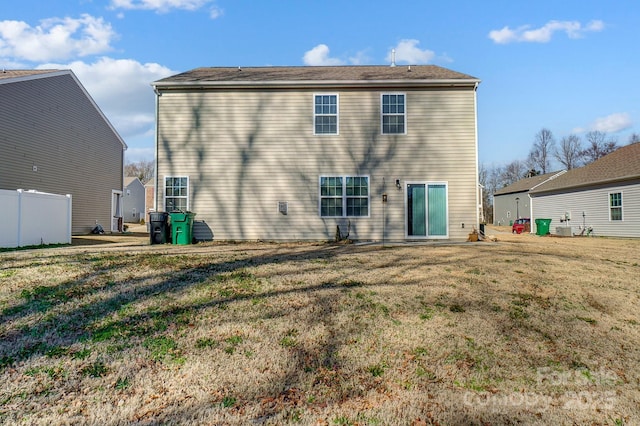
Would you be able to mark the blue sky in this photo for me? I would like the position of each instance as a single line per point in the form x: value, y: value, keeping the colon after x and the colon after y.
x: 569, y: 66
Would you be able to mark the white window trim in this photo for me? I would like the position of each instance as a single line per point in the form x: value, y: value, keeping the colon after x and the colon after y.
x: 382, y: 114
x: 426, y: 183
x: 611, y: 207
x: 164, y: 191
x: 323, y: 115
x: 344, y: 195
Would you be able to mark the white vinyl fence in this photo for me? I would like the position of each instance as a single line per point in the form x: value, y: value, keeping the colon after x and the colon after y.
x: 30, y: 218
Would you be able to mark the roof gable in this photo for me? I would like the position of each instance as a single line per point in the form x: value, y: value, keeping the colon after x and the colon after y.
x: 128, y: 180
x: 15, y: 76
x: 527, y: 184
x: 622, y: 164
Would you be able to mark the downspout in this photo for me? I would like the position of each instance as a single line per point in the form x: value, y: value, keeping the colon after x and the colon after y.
x: 155, y: 167
x: 122, y: 174
x: 118, y: 214
x: 531, y: 220
x: 475, y: 113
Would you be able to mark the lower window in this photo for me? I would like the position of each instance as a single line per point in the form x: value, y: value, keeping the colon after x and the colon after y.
x: 176, y: 193
x: 615, y: 206
x: 344, y: 196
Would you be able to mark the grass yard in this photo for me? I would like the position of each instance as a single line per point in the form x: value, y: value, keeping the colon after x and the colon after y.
x: 525, y: 330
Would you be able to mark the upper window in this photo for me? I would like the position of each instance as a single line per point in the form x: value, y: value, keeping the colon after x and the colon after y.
x: 344, y: 196
x: 176, y: 193
x: 325, y: 114
x: 393, y: 114
x: 615, y: 206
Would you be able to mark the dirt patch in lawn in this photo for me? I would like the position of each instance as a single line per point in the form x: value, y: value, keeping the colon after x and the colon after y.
x: 129, y: 238
x: 523, y: 330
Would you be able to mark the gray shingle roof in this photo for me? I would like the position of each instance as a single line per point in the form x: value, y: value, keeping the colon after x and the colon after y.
x: 302, y: 74
x: 524, y: 185
x: 622, y: 164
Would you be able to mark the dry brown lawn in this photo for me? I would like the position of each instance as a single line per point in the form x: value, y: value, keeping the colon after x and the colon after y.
x: 525, y: 330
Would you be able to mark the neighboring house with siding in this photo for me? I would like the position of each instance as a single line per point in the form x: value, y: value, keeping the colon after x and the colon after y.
x: 54, y: 138
x: 304, y: 153
x: 512, y: 202
x: 603, y: 196
x: 149, y: 199
x: 133, y: 200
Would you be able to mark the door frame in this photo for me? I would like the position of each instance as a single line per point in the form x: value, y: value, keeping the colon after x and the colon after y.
x: 116, y: 210
x: 426, y: 184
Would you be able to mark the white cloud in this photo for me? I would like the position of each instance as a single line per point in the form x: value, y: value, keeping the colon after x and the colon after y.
x: 55, y: 38
x: 215, y: 12
x: 319, y: 55
x: 360, y: 58
x: 163, y: 6
x: 612, y: 123
x: 407, y: 51
x: 525, y: 33
x: 122, y: 90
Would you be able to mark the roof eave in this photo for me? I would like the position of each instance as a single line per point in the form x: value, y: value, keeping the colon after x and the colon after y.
x: 35, y: 76
x: 520, y: 191
x: 586, y: 184
x: 168, y: 85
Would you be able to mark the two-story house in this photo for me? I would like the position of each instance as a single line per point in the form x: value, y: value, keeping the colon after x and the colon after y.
x: 54, y: 138
x: 309, y: 153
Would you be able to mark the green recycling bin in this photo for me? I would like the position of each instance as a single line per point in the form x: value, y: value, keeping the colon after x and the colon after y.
x: 542, y: 226
x: 182, y: 227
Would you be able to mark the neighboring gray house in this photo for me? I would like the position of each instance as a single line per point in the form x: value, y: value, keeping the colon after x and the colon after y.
x: 133, y: 200
x: 302, y: 153
x: 512, y: 202
x: 603, y: 196
x: 54, y: 138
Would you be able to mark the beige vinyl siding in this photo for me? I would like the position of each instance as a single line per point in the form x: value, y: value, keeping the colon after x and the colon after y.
x: 594, y: 202
x: 49, y: 123
x: 244, y: 151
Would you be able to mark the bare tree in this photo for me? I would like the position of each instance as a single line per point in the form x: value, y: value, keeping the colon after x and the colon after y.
x: 569, y: 152
x: 491, y: 179
x: 598, y: 146
x: 494, y: 179
x: 483, y: 179
x: 513, y: 172
x: 143, y: 170
x: 633, y: 138
x: 542, y: 151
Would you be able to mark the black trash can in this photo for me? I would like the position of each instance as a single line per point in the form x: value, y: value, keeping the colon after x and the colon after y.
x: 159, y: 232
